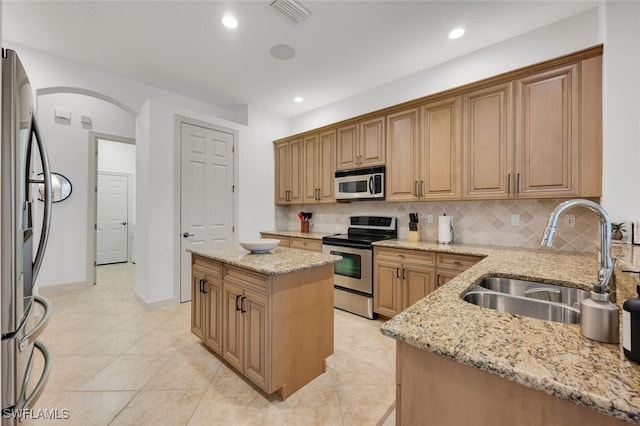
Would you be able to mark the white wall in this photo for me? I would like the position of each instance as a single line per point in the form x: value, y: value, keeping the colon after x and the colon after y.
x: 67, y: 142
x: 621, y: 185
x: 560, y: 38
x: 158, y: 161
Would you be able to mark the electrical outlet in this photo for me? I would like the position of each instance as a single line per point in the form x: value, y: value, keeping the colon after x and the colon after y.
x: 569, y: 221
x: 429, y: 218
x: 515, y: 220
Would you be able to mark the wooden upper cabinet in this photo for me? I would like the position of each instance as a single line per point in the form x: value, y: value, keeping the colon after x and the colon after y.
x: 289, y: 157
x: 361, y: 144
x: 591, y: 127
x: 547, y: 134
x: 487, y: 132
x: 403, y: 156
x: 319, y: 169
x: 441, y: 150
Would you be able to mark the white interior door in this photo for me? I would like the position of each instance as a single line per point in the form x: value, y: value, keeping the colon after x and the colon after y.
x: 206, y: 193
x: 112, y: 222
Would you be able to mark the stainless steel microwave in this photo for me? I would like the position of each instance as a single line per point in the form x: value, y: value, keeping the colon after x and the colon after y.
x: 360, y: 184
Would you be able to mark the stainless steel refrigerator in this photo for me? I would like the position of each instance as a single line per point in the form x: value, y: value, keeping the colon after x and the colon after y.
x: 24, y: 315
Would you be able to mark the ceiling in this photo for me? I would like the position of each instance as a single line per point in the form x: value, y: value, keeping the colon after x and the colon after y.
x: 343, y: 48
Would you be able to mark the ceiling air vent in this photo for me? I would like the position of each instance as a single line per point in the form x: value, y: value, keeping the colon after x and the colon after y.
x: 293, y: 10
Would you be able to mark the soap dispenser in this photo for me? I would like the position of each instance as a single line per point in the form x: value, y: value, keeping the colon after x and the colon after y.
x: 631, y: 327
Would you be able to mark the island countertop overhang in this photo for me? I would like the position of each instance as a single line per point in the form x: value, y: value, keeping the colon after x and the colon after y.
x: 280, y: 260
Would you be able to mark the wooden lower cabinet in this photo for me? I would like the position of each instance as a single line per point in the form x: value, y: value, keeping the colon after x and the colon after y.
x: 284, y: 241
x: 401, y: 278
x: 450, y: 266
x: 312, y: 244
x: 276, y: 330
x: 245, y: 331
x: 206, y: 305
x: 434, y: 390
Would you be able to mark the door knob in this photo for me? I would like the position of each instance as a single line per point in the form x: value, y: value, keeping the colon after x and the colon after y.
x: 187, y: 235
x: 124, y: 223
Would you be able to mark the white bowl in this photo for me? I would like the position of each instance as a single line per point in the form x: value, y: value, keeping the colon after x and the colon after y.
x: 260, y: 246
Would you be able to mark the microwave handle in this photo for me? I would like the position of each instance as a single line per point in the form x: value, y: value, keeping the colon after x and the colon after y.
x: 371, y: 185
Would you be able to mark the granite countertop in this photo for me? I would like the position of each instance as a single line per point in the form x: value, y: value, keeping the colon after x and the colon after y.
x: 298, y: 234
x: 280, y: 260
x: 552, y: 357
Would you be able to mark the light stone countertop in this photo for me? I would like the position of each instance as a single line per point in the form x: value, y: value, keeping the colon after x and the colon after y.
x: 280, y: 260
x: 552, y: 357
x: 298, y: 234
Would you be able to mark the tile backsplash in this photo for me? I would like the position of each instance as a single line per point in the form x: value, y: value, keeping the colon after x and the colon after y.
x: 474, y: 222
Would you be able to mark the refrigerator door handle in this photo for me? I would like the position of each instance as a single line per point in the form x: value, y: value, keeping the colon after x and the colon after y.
x: 46, y: 217
x: 33, y: 334
x: 37, y: 390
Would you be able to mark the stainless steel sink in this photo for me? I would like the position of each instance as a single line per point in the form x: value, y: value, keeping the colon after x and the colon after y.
x: 528, y: 298
x: 535, y: 290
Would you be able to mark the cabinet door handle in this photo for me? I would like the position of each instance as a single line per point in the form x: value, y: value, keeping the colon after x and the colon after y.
x: 397, y: 272
x: 238, y: 302
x: 244, y: 306
x: 204, y: 282
x: 415, y: 188
x: 508, y: 183
x: 422, y: 188
x: 438, y: 280
x: 404, y: 275
x: 200, y: 286
x: 518, y: 183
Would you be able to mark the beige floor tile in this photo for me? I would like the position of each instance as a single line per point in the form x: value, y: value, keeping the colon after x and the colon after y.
x: 311, y: 405
x: 230, y: 401
x: 88, y: 408
x: 190, y: 368
x: 362, y: 367
x: 160, y: 408
x: 365, y: 404
x: 68, y: 342
x: 162, y: 342
x: 109, y: 352
x: 111, y: 343
x: 69, y: 373
x: 127, y: 372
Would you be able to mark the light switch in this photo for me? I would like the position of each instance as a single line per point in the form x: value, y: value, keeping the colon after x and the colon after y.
x: 515, y: 220
x: 62, y: 114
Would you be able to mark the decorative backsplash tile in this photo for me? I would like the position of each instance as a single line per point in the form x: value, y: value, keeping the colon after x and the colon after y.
x: 474, y: 222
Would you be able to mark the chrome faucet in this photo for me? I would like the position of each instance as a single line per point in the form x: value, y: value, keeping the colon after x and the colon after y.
x: 598, y: 316
x: 606, y: 262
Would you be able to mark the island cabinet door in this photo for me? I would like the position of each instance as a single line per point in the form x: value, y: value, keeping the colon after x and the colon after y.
x: 255, y: 310
x: 212, y: 307
x: 419, y: 281
x: 197, y: 320
x: 232, y: 333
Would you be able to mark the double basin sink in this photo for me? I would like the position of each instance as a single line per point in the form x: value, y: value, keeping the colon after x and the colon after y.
x: 528, y: 298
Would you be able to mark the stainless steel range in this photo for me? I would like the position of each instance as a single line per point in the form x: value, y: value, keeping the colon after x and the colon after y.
x: 353, y: 275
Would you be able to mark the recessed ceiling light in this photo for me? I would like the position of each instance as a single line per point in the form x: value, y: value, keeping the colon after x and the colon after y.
x: 282, y: 51
x: 456, y: 33
x: 298, y: 99
x: 230, y: 22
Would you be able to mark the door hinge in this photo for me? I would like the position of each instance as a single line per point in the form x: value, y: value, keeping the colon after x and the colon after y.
x: 95, y: 226
x: 233, y: 229
x: 95, y: 264
x: 233, y: 148
x: 233, y: 188
x: 95, y: 188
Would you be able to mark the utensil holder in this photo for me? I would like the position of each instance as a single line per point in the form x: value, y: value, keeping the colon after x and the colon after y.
x: 304, y: 227
x: 414, y: 236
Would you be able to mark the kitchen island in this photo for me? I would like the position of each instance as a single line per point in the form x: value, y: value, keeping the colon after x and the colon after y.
x: 270, y: 316
x: 459, y: 363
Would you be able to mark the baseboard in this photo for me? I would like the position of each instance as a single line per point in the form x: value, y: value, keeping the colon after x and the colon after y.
x: 152, y: 306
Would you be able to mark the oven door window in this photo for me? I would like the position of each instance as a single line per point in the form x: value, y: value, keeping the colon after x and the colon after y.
x: 350, y: 265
